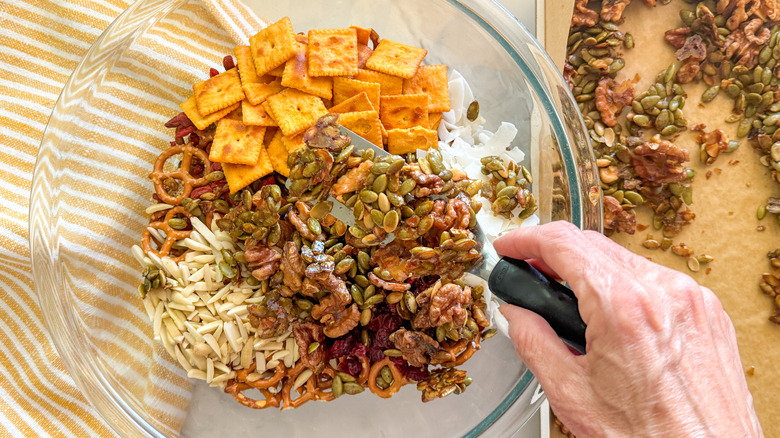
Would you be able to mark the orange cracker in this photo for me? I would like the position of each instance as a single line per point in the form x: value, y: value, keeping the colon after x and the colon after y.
x: 332, y: 52
x: 388, y: 85
x: 236, y: 143
x: 190, y: 108
x: 296, y: 76
x: 246, y: 66
x: 396, y: 59
x: 356, y: 103
x: 218, y: 92
x: 293, y: 143
x: 259, y: 92
x: 255, y: 115
x: 344, y: 88
x: 278, y: 154
x: 433, y: 121
x: 295, y: 110
x: 406, y: 141
x: 404, y: 111
x: 365, y: 124
x: 273, y: 46
x: 431, y: 80
x: 365, y: 34
x: 277, y: 72
x: 239, y: 176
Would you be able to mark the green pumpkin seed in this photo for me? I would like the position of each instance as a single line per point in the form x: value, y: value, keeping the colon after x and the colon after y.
x: 380, y: 183
x: 321, y: 209
x: 710, y: 94
x: 761, y: 212
x: 373, y: 299
x: 357, y: 294
x: 227, y: 270
x: 744, y: 128
x: 641, y: 120
x: 410, y: 302
x: 365, y: 317
x: 352, y: 388
x: 628, y: 43
x: 346, y: 152
x: 337, y: 387
x: 368, y: 196
x: 314, y: 225
x: 669, y: 131
x: 732, y: 90
x: 392, y: 352
x: 383, y: 202
x: 357, y: 232
x: 386, y: 374
x: 637, y: 107
x: 650, y: 101
x: 407, y: 186
x: 473, y: 111
x: 390, y: 221
x: 378, y: 217
x: 177, y: 223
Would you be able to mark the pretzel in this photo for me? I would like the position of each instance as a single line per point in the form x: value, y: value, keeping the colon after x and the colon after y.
x: 272, y: 381
x: 399, y: 379
x: 459, y: 358
x: 235, y: 388
x: 310, y: 388
x: 158, y: 175
x: 171, y: 235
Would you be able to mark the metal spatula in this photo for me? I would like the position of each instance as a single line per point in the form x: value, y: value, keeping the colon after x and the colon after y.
x: 513, y: 281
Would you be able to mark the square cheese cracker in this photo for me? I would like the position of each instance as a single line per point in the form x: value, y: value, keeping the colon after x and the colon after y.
x: 430, y: 80
x: 295, y: 110
x: 239, y: 176
x: 406, y: 141
x: 332, y: 52
x: 396, y: 59
x: 246, y: 65
x: 255, y: 115
x: 404, y: 111
x: 257, y: 93
x: 218, y: 92
x: 273, y: 46
x: 190, y: 108
x: 388, y: 85
x: 278, y: 154
x: 236, y: 143
x: 297, y: 76
x: 344, y: 88
x: 356, y: 103
x: 365, y: 124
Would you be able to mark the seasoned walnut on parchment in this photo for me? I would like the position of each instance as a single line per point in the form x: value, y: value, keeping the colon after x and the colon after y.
x: 659, y: 161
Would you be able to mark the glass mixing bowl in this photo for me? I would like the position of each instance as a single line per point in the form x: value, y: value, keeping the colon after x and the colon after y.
x: 87, y: 210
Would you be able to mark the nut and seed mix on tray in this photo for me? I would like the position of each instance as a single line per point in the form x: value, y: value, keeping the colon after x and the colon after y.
x: 251, y: 283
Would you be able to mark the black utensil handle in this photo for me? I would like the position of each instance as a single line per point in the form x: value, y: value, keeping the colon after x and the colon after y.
x: 519, y: 283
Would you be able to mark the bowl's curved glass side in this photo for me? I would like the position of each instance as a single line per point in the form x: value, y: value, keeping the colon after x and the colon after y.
x: 89, y: 331
x: 566, y: 149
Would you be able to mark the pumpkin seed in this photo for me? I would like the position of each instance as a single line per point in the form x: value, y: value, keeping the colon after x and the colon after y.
x: 177, y: 223
x: 386, y: 374
x: 407, y: 186
x: 761, y: 213
x: 710, y: 93
x: 345, y: 377
x: 314, y: 225
x: 365, y: 317
x: 373, y: 299
x: 693, y: 264
x: 378, y: 217
x: 641, y: 120
x: 392, y: 352
x: 356, y: 293
x: 669, y: 131
x: 473, y: 111
x: 394, y: 297
x: 390, y: 221
x: 352, y: 388
x: 410, y: 301
x: 744, y: 128
x: 337, y: 387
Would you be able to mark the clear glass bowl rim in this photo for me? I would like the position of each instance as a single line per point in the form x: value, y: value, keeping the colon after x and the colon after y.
x: 93, y: 383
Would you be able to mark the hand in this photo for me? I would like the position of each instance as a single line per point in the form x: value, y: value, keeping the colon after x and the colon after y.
x: 661, y: 359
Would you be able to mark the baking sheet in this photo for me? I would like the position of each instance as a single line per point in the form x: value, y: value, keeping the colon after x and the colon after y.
x: 725, y: 207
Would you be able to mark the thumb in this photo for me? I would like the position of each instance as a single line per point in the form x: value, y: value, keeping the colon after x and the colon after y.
x: 538, y: 346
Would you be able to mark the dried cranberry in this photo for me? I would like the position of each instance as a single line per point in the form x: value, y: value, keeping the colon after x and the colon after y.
x: 375, y: 354
x: 349, y: 345
x: 414, y: 373
x: 216, y: 167
x: 183, y: 131
x: 351, y: 365
x: 228, y: 62
x: 423, y: 283
x: 213, y: 72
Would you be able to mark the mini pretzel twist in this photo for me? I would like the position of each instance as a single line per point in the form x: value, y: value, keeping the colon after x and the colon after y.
x: 158, y: 175
x: 399, y: 379
x: 171, y: 235
x: 235, y: 388
x: 468, y: 348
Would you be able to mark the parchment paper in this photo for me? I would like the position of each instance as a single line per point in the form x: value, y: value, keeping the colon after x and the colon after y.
x: 725, y: 207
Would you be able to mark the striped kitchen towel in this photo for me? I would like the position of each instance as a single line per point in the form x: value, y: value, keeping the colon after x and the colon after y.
x: 42, y: 42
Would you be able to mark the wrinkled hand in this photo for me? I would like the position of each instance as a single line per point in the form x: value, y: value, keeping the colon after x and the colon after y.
x: 661, y: 358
